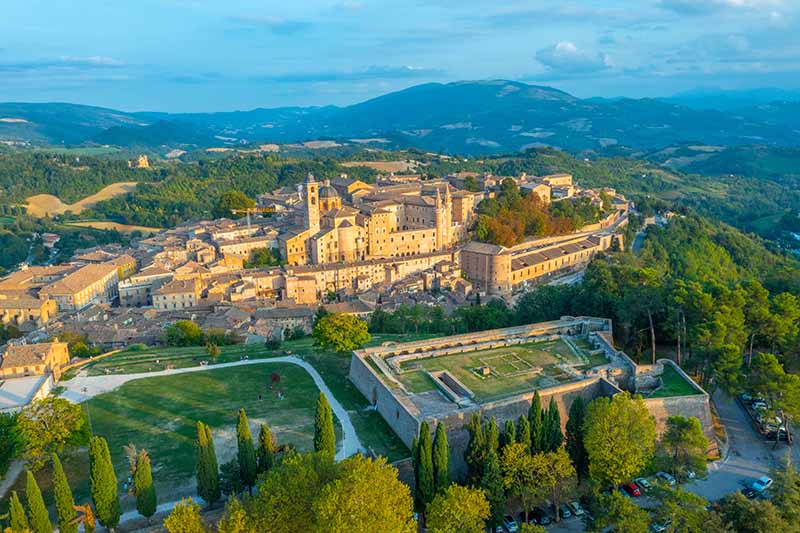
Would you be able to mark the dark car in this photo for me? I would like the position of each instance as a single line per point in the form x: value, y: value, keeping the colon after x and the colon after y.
x: 541, y: 516
x: 530, y: 519
x: 749, y: 493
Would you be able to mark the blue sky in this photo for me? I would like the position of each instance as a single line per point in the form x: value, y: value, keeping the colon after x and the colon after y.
x: 210, y: 55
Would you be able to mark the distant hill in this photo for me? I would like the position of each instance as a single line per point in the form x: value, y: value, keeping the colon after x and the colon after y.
x: 481, y: 117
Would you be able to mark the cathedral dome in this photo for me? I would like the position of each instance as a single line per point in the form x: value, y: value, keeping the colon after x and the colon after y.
x: 326, y: 191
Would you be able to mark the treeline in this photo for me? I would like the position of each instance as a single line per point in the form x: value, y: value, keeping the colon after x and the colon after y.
x: 511, y: 216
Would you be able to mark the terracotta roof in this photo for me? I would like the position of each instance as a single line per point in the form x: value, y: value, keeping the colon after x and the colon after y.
x: 27, y: 354
x: 80, y: 279
x: 177, y: 286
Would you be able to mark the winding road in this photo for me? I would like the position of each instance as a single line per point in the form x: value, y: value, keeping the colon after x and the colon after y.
x: 81, y: 388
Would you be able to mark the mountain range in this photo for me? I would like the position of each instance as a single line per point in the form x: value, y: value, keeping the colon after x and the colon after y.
x: 470, y: 118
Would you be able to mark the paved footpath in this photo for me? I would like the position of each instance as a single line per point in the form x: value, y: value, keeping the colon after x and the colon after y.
x: 82, y: 387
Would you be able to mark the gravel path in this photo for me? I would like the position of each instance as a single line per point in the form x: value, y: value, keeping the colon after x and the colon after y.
x: 82, y: 387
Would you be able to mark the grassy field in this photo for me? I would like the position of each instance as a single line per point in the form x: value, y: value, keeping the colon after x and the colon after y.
x: 111, y: 225
x: 40, y: 205
x: 160, y: 415
x: 513, y: 369
x: 673, y: 385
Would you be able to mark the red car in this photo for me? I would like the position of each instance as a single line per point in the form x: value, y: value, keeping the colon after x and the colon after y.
x: 632, y: 489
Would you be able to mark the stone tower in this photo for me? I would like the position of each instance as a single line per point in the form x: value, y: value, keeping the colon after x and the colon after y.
x: 441, y: 223
x: 448, y: 216
x: 312, y: 205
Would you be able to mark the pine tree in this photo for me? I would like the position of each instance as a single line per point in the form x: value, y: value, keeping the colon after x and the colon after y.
x: 17, y: 518
x: 475, y: 454
x: 324, y: 437
x: 65, y: 503
x: 574, y: 437
x: 537, y: 424
x: 492, y: 435
x: 207, y: 466
x: 37, y: 511
x: 441, y: 459
x: 426, y: 486
x: 554, y: 437
x: 103, y: 483
x: 146, y: 501
x: 248, y: 470
x: 524, y: 432
x: 509, y: 435
x: 265, y: 455
x: 492, y: 485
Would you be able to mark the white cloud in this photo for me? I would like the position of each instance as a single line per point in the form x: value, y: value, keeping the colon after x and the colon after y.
x: 566, y: 57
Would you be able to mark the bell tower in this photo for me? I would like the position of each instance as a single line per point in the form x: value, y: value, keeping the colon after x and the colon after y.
x: 312, y: 205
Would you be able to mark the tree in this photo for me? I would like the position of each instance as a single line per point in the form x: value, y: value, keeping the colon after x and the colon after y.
x: 231, y: 201
x: 536, y: 419
x: 65, y: 503
x: 208, y: 486
x: 340, y: 332
x: 183, y: 333
x: 458, y: 510
x: 143, y: 488
x: 553, y: 438
x: 185, y: 518
x: 687, y: 512
x: 265, y: 455
x: 785, y: 490
x: 532, y: 528
x: 235, y: 519
x: 324, y: 437
x: 230, y: 480
x: 509, y: 434
x: 492, y: 435
x: 685, y: 445
x: 612, y: 424
x: 574, y: 436
x: 50, y: 425
x: 212, y: 350
x: 621, y: 513
x: 476, y: 451
x: 523, y: 432
x: 18, y: 520
x: 492, y: 486
x: 519, y: 477
x: 441, y: 459
x: 246, y: 456
x: 752, y: 516
x: 11, y: 444
x: 423, y: 467
x: 780, y: 389
x: 103, y: 483
x: 552, y: 472
x: 365, y: 496
x: 37, y: 511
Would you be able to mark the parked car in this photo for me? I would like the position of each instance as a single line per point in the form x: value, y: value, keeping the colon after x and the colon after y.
x: 632, y: 489
x: 761, y: 484
x: 510, y: 524
x: 577, y: 510
x: 658, y: 528
x: 564, y: 510
x: 667, y: 478
x: 541, y: 516
x: 530, y: 519
x: 643, y: 484
x: 749, y: 493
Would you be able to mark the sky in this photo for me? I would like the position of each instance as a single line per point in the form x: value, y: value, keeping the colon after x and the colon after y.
x: 211, y: 55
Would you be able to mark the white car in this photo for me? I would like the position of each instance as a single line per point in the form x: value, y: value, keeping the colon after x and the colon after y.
x: 761, y: 484
x: 577, y: 510
x: 643, y: 483
x: 510, y: 524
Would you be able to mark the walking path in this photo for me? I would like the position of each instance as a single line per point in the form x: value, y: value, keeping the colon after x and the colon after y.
x: 13, y: 472
x: 82, y: 387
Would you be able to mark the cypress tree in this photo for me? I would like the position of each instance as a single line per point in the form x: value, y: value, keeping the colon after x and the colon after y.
x: 65, y: 503
x: 509, y: 435
x: 475, y: 453
x: 37, y: 512
x: 537, y: 424
x: 492, y: 485
x: 524, y: 432
x: 324, y: 437
x: 441, y: 459
x: 16, y: 512
x: 143, y: 486
x: 574, y: 437
x: 246, y: 456
x: 265, y: 456
x: 492, y: 436
x: 555, y: 438
x: 425, y: 489
x: 103, y: 483
x: 207, y: 466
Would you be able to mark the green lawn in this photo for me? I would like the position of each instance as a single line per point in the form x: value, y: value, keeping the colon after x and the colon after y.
x: 673, y: 384
x: 504, y: 361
